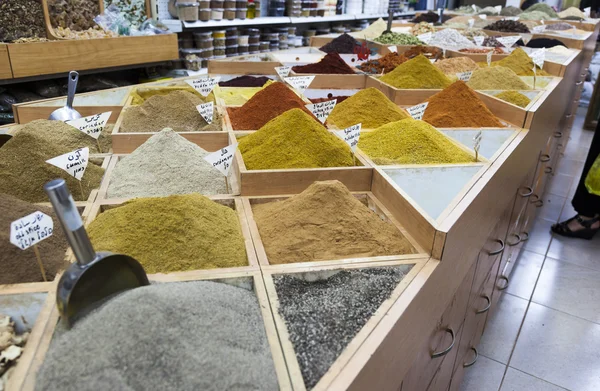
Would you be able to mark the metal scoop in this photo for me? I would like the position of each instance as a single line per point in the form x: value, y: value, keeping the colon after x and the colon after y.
x: 95, y: 277
x: 68, y: 112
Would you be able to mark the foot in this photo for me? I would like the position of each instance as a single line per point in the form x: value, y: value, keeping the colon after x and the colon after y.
x: 578, y: 227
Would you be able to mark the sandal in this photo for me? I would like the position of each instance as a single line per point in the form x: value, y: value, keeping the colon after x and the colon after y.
x: 585, y: 233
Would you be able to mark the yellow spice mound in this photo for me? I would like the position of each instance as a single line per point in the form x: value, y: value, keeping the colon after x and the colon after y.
x: 496, y: 78
x: 520, y: 63
x: 514, y: 97
x: 417, y: 73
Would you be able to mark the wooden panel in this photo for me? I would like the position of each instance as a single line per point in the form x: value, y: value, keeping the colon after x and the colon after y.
x: 5, y: 67
x: 32, y: 113
x: 43, y: 58
x: 210, y: 141
x: 347, y: 82
x: 441, y: 379
x: 243, y: 67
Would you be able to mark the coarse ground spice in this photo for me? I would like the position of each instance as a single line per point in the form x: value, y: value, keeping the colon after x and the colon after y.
x: 507, y: 26
x: 496, y: 78
x: 267, y: 104
x: 369, y: 107
x: 19, y: 266
x: 24, y: 171
x: 171, y: 234
x: 559, y: 26
x: 480, y: 51
x: 422, y: 28
x: 393, y: 38
x: 520, y: 63
x: 176, y: 110
x: 458, y: 106
x: 344, y: 44
x: 450, y: 38
x: 514, y: 97
x: 452, y: 66
x: 390, y: 61
x: 493, y: 42
x: 21, y: 19
x: 198, y: 335
x: 142, y: 94
x: 67, y: 135
x: 245, y: 81
x: 471, y: 33
x: 77, y: 15
x: 417, y: 73
x: 294, y: 140
x: 572, y: 11
x: 411, y: 142
x: 510, y: 11
x: 534, y: 15
x: 322, y: 317
x: 332, y: 63
x: 325, y: 222
x: 543, y: 7
x: 165, y: 164
x: 429, y: 17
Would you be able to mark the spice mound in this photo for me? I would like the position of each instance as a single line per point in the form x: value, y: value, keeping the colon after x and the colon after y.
x: 507, y: 26
x: 21, y: 19
x: 294, y: 140
x: 452, y: 66
x: 171, y: 234
x: 332, y: 63
x: 510, y: 11
x: 539, y: 43
x: 520, y: 63
x: 24, y: 171
x: 68, y: 136
x: 411, y: 142
x: 418, y: 73
x: 559, y: 26
x: 572, y: 12
x: 335, y: 317
x: 330, y: 96
x: 450, y: 38
x: 430, y: 17
x: 373, y: 31
x: 514, y: 97
x: 369, y: 107
x: 19, y: 266
x: 422, y: 28
x: 392, y: 38
x: 176, y: 110
x: 265, y: 105
x: 165, y: 164
x: 545, y: 8
x: 343, y: 44
x: 76, y: 15
x: 496, y: 78
x: 459, y: 106
x: 390, y: 61
x: 245, y: 81
x: 481, y: 51
x: 184, y: 335
x: 12, y: 343
x: 534, y: 15
x: 325, y: 222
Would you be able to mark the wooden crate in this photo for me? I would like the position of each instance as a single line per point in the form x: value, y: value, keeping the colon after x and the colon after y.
x: 411, y: 281
x: 335, y: 81
x: 25, y: 376
x: 236, y: 66
x: 321, y: 40
x: 5, y: 67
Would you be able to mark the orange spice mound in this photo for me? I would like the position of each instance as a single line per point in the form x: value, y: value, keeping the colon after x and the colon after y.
x: 459, y: 106
x: 265, y: 105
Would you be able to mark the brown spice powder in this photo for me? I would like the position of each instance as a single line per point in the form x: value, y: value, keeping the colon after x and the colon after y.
x: 325, y: 222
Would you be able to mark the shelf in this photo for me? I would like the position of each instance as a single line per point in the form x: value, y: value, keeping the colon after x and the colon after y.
x: 322, y: 19
x: 237, y: 22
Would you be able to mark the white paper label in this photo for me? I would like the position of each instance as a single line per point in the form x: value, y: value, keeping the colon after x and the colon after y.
x: 509, y: 41
x: 587, y: 11
x: 514, y: 18
x: 31, y: 229
x: 498, y: 9
x: 92, y: 125
x: 444, y: 52
x: 74, y: 162
x: 464, y: 76
x: 539, y: 29
x: 222, y: 159
x: 283, y: 71
x: 538, y: 57
x: 474, y: 7
x: 477, y: 142
x: 471, y: 22
x: 417, y: 111
x: 393, y: 49
x: 204, y: 85
x: 350, y: 135
x: 206, y: 110
x: 322, y: 110
x: 484, y: 17
x: 488, y: 57
x: 479, y: 40
x: 300, y: 83
x: 425, y: 38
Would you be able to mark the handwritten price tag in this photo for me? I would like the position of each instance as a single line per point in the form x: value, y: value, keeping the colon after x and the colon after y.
x: 92, y: 125
x: 393, y: 49
x: 206, y: 110
x: 464, y: 76
x: 74, y: 162
x: 539, y: 29
x: 204, y: 85
x: 31, y: 229
x: 417, y: 111
x: 508, y: 41
x: 477, y: 144
x: 471, y: 22
x: 587, y: 11
x: 498, y: 9
x: 322, y: 110
x: 223, y: 158
x: 283, y: 71
x: 350, y: 135
x: 513, y: 18
x: 479, y: 40
x: 300, y: 83
x: 483, y: 16
x: 425, y: 38
x: 538, y: 57
x: 474, y: 7
x: 488, y: 57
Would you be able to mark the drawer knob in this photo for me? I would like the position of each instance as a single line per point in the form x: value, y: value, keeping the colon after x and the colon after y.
x: 524, y: 236
x: 487, y: 307
x: 579, y: 83
x: 527, y: 193
x: 469, y: 364
x: 505, y: 278
x: 569, y: 115
x: 558, y: 134
x: 548, y: 170
x: 538, y: 203
x: 517, y: 242
x: 496, y: 252
x: 448, y: 349
x: 544, y: 157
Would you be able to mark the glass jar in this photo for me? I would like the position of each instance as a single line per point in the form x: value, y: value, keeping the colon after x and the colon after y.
x: 229, y: 4
x: 231, y: 51
x: 218, y: 34
x: 216, y: 4
x: 188, y: 12
x: 229, y: 13
x: 204, y: 14
x: 241, y: 13
x: 219, y: 51
x: 216, y: 14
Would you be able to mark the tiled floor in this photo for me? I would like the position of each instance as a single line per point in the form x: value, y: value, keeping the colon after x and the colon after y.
x: 545, y: 332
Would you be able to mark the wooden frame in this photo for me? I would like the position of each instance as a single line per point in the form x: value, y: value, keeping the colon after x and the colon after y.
x: 232, y: 66
x: 5, y: 67
x: 353, y: 346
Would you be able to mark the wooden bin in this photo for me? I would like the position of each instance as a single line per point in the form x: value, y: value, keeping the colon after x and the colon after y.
x: 5, y: 67
x: 372, y: 327
x: 237, y: 66
x: 25, y: 376
x: 320, y: 40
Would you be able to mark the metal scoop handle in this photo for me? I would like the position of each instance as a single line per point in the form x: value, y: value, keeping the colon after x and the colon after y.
x: 69, y: 218
x: 72, y: 88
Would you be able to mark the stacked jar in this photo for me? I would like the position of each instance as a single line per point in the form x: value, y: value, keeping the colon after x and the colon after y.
x: 192, y: 58
x: 307, y: 36
x: 253, y: 40
x: 293, y: 8
x: 187, y: 11
x: 276, y: 7
x: 283, y: 38
x: 204, y: 13
x: 241, y: 9
x: 204, y: 41
x: 231, y: 42
x: 291, y: 37
x: 216, y: 9
x: 219, y: 44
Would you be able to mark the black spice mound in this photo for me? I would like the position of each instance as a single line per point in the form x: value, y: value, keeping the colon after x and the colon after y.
x: 343, y: 44
x: 507, y: 26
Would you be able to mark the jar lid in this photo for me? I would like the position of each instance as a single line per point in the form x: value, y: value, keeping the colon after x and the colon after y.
x: 206, y: 35
x: 191, y: 51
x: 242, y: 9
x: 182, y: 5
x: 231, y: 46
x: 230, y: 9
x: 232, y: 37
x: 217, y: 9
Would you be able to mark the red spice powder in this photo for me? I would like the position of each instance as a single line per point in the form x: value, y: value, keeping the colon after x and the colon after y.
x: 265, y: 105
x: 332, y: 63
x: 459, y: 106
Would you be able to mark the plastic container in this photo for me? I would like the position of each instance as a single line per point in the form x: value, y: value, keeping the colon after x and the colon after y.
x: 283, y: 36
x: 276, y: 3
x: 253, y: 48
x: 257, y: 12
x: 243, y: 49
x: 310, y: 33
x: 216, y: 4
x: 263, y: 46
x: 204, y: 4
x: 219, y: 57
x: 243, y: 40
x: 230, y: 32
x: 219, y: 51
x: 231, y: 51
x: 208, y: 52
x: 193, y: 64
x: 273, y: 46
x: 253, y: 39
x: 241, y: 13
x: 320, y: 11
x: 216, y: 14
x: 229, y: 13
x: 276, y: 11
x: 241, y: 4
x: 218, y: 34
x: 188, y: 12
x: 313, y: 12
x: 229, y: 4
x: 186, y: 43
x: 186, y: 52
x: 204, y: 14
x: 270, y: 36
x: 231, y: 40
x: 219, y: 41
x: 203, y: 40
x: 305, y: 12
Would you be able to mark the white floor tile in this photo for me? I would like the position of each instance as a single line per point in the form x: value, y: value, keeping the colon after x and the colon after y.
x: 525, y: 274
x: 568, y: 166
x: 518, y: 381
x: 485, y: 375
x: 578, y: 251
x: 539, y: 236
x: 559, y: 185
x: 552, y: 207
